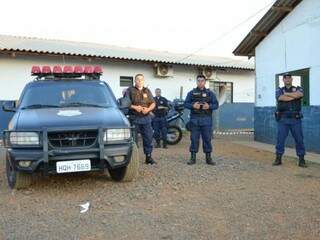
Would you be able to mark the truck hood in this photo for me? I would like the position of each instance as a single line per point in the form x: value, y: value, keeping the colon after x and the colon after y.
x: 78, y: 117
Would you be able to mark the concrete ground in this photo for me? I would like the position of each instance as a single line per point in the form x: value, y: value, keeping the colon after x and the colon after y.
x: 289, y: 152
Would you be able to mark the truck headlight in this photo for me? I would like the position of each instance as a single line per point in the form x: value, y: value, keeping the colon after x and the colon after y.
x: 24, y: 138
x: 117, y: 134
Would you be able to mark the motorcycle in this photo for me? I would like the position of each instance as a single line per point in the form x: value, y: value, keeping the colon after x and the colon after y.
x: 174, y: 134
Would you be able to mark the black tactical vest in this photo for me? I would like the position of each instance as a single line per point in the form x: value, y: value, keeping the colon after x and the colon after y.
x: 291, y: 106
x: 140, y: 98
x: 201, y: 96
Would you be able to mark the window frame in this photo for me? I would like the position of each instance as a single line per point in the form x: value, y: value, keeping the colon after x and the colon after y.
x: 223, y: 82
x: 125, y: 78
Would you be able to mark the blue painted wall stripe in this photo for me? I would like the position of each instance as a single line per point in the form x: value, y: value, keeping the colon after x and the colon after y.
x: 265, y: 127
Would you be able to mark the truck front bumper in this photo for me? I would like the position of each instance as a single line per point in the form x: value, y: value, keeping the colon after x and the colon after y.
x: 102, y: 156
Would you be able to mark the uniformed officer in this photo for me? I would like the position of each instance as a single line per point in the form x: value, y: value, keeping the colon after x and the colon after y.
x: 288, y: 116
x: 142, y: 104
x: 201, y: 101
x: 159, y: 122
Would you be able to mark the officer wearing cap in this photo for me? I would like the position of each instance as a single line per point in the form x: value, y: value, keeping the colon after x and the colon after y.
x: 159, y: 122
x: 142, y: 104
x: 288, y: 116
x: 201, y: 101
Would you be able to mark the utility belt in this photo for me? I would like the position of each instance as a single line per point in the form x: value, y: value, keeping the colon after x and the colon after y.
x: 160, y: 116
x: 199, y: 114
x: 134, y: 116
x: 294, y: 115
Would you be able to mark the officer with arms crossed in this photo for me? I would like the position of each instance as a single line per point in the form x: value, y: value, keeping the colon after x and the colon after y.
x: 288, y: 116
x: 201, y: 101
x: 159, y: 122
x: 142, y: 104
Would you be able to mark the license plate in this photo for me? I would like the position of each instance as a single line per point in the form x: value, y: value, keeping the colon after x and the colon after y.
x: 73, y: 166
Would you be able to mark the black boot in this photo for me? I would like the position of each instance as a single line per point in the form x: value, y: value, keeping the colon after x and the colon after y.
x: 192, y: 159
x: 157, y: 144
x: 209, y: 159
x: 164, y: 144
x: 149, y: 159
x: 302, y: 162
x: 278, y: 160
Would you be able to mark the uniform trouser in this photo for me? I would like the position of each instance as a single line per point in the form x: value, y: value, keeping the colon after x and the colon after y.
x: 160, y: 127
x: 201, y: 126
x: 295, y: 127
x: 146, y: 132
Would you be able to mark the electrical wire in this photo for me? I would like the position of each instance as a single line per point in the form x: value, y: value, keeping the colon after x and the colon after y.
x: 227, y: 33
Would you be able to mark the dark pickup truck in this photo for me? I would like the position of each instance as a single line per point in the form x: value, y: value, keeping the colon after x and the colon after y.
x: 68, y: 120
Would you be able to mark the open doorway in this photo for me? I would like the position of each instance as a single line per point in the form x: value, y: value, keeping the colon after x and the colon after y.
x: 300, y: 78
x: 223, y: 91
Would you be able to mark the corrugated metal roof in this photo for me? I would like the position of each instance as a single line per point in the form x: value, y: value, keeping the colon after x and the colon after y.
x: 49, y: 46
x: 279, y: 10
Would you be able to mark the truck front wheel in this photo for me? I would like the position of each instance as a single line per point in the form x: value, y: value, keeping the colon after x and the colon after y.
x: 17, y: 180
x: 128, y: 173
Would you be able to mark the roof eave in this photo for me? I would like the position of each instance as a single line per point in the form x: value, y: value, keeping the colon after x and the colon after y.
x: 269, y: 21
x: 121, y: 58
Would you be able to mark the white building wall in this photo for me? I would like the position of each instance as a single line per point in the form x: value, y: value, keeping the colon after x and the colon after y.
x: 243, y: 84
x: 15, y: 73
x: 292, y: 45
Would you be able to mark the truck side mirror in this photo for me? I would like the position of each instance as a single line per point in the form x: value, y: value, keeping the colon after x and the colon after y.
x: 9, y: 106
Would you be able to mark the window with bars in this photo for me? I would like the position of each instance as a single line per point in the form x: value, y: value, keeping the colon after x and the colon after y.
x: 126, y: 81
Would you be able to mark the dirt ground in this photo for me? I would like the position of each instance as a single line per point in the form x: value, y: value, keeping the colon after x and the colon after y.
x: 243, y: 197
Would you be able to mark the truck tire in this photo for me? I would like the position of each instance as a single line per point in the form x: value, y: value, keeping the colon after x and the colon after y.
x: 17, y: 180
x: 128, y: 173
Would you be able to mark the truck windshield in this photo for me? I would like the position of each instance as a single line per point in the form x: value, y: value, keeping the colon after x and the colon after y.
x: 67, y: 94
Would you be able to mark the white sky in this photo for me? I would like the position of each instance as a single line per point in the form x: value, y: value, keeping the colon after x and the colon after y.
x: 167, y: 25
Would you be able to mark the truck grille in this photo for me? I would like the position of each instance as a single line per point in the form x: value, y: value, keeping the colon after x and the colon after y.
x: 72, y: 139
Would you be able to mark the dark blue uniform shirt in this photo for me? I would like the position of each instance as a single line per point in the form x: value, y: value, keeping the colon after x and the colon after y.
x: 160, y: 102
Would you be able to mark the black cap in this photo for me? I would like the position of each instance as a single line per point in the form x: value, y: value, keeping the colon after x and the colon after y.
x: 287, y: 75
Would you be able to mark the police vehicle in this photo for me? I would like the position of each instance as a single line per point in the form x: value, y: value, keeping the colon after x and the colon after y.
x: 68, y: 120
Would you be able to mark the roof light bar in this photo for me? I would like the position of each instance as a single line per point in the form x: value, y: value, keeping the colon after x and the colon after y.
x: 89, y: 72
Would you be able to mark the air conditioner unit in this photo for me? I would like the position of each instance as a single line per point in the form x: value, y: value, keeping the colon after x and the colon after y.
x: 163, y: 70
x: 208, y: 72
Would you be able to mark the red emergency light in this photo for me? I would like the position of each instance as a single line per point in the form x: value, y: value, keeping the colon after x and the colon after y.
x: 88, y: 70
x: 78, y: 69
x: 57, y: 70
x: 35, y: 70
x: 97, y: 70
x: 46, y: 70
x: 68, y: 69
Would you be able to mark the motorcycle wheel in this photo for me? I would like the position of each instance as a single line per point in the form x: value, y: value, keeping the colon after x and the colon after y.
x: 174, y: 135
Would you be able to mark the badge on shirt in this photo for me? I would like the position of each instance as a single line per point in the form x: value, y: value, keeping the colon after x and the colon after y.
x: 204, y: 94
x: 294, y: 89
x: 161, y: 102
x: 145, y: 95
